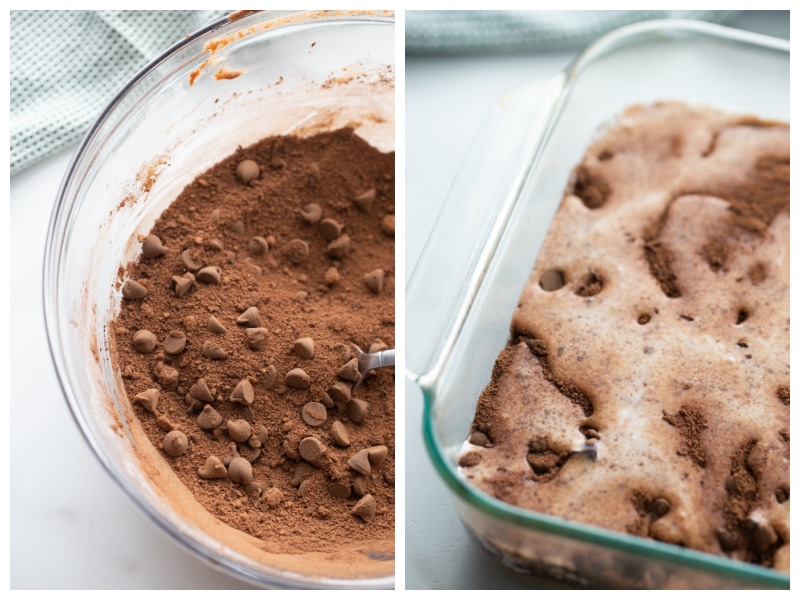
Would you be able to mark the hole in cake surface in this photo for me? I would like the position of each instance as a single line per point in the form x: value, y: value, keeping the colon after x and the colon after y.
x: 552, y: 280
x: 686, y: 317
x: 782, y: 494
x: 591, y: 284
x: 643, y: 319
x: 591, y: 188
x: 605, y: 155
x: 741, y: 344
x: 741, y: 316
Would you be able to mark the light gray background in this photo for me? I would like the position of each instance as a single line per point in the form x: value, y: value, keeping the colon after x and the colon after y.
x: 445, y: 101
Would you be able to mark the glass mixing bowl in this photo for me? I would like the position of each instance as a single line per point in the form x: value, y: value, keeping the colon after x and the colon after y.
x: 461, y: 296
x: 228, y: 85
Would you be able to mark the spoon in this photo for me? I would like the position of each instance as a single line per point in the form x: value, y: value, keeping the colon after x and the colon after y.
x: 367, y: 361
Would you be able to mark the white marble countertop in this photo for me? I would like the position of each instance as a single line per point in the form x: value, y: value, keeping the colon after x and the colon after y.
x: 72, y: 528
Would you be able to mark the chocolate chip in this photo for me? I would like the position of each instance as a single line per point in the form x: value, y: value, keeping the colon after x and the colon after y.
x: 249, y: 318
x: 214, y: 326
x: 311, y: 449
x: 243, y: 392
x: 297, y: 251
x: 259, y: 437
x: 247, y: 170
x: 239, y: 430
x: 330, y: 229
x: 175, y: 342
x: 311, y: 213
x: 211, y: 275
x: 258, y: 246
x: 365, y: 508
x: 214, y: 216
x: 357, y: 410
x: 374, y: 280
x: 148, y: 399
x: 350, y: 371
x: 133, y: 290
x: 237, y: 227
x: 209, y: 418
x: 340, y: 247
x: 240, y: 471
x: 175, y: 443
x: 212, y: 469
x: 365, y: 200
x: 552, y: 280
x: 339, y: 392
x: 339, y: 489
x: 297, y: 379
x: 361, y: 485
x: 314, y: 414
x: 144, y: 341
x: 339, y: 434
x: 182, y: 285
x: 188, y: 262
x: 478, y: 438
x: 152, y: 247
x: 304, y: 348
x: 270, y: 376
x: 256, y: 337
x: 313, y: 169
x: 326, y: 401
x: 214, y: 352
x: 200, y: 391
x: 377, y: 454
x: 359, y: 462
x: 387, y: 225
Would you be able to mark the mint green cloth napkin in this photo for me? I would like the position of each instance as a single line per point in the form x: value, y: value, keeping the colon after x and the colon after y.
x: 67, y: 65
x: 472, y: 31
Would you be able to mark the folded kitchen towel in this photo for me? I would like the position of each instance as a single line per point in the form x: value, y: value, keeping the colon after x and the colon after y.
x: 67, y: 65
x: 472, y: 31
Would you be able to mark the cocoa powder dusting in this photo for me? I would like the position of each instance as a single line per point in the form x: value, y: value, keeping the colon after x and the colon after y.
x: 690, y: 423
x: 250, y: 327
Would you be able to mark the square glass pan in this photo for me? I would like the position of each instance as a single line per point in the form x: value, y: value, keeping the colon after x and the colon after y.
x: 461, y: 296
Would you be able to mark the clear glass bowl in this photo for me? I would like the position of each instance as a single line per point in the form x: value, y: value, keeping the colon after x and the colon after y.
x: 299, y: 73
x: 461, y: 296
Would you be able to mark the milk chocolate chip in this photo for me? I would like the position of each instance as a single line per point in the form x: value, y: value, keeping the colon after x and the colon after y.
x: 387, y: 225
x: 339, y: 434
x: 350, y: 371
x: 214, y: 326
x: 297, y: 251
x: 374, y: 280
x: 144, y: 341
x: 188, y: 262
x: 243, y: 393
x: 304, y: 348
x: 357, y: 410
x: 256, y: 337
x: 377, y: 454
x: 240, y: 471
x: 359, y: 462
x: 258, y: 246
x: 209, y: 350
x: 249, y: 318
x: 311, y: 449
x: 213, y: 469
x: 247, y: 170
x: 365, y: 508
x: 552, y: 280
x: 210, y: 275
x: 297, y: 379
x: 239, y: 430
x: 365, y: 200
x: 340, y: 247
x: 175, y: 443
x: 330, y: 229
x: 175, y: 342
x: 200, y: 391
x: 311, y: 213
x: 152, y: 247
x: 182, y: 285
x: 133, y: 290
x: 148, y: 399
x: 314, y: 414
x: 209, y: 418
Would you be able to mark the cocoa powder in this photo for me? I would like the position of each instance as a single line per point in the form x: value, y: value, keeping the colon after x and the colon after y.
x: 244, y: 278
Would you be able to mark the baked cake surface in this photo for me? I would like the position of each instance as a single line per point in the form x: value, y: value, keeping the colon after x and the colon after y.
x: 645, y: 385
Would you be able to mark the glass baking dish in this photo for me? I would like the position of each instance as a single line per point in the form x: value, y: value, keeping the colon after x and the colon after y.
x: 230, y: 84
x: 466, y: 285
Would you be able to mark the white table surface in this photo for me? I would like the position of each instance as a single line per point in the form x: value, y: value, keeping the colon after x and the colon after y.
x: 72, y: 528
x: 445, y: 100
